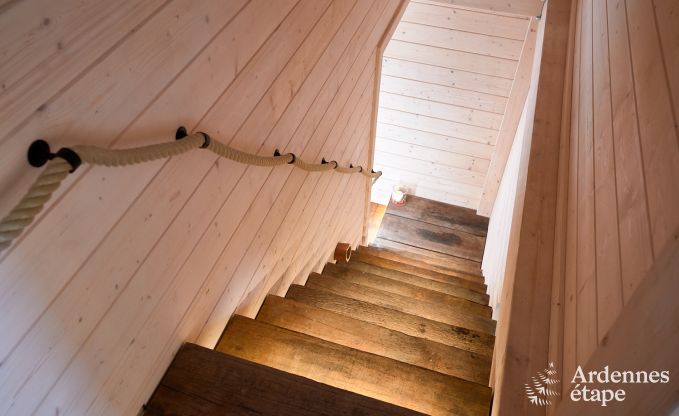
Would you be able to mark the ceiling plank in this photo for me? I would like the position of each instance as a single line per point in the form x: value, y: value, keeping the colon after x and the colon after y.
x: 466, y: 20
x: 531, y: 8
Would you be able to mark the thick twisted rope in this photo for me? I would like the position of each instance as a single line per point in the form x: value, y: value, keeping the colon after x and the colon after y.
x: 67, y: 160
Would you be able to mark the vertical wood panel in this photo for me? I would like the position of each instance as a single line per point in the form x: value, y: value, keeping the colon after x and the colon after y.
x: 636, y: 252
x: 570, y: 276
x: 666, y: 15
x: 608, y: 283
x: 93, y: 335
x: 657, y: 129
x: 586, y: 259
x: 622, y: 125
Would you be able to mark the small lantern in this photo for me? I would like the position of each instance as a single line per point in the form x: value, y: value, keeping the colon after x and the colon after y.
x: 398, y: 196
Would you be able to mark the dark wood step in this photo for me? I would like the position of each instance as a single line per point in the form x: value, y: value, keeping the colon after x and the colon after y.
x: 406, y: 289
x: 457, y: 267
x: 432, y: 237
x: 405, y: 304
x: 409, y: 324
x: 390, y: 268
x: 382, y: 378
x: 439, y: 213
x: 393, y: 248
x: 368, y: 337
x: 408, y: 267
x: 203, y: 382
x: 341, y: 269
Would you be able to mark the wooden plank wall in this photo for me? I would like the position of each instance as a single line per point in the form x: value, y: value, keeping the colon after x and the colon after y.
x: 447, y: 74
x: 505, y: 220
x: 126, y: 264
x: 604, y: 246
x: 621, y: 208
x: 523, y: 325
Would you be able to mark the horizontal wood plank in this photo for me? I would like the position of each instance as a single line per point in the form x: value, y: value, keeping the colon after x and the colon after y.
x: 201, y: 381
x: 341, y: 270
x: 406, y: 323
x: 363, y: 373
x: 368, y: 337
x: 412, y: 291
x: 402, y: 303
x: 432, y: 237
x: 438, y: 75
x: 445, y: 215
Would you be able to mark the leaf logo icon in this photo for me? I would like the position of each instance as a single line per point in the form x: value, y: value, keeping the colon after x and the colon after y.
x: 539, y: 391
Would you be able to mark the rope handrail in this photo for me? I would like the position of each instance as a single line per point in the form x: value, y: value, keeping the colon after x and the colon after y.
x: 67, y: 160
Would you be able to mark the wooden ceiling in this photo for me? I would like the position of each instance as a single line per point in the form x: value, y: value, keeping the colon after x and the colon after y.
x: 447, y: 77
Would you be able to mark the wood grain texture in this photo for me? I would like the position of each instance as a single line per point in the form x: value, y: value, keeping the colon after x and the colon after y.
x: 402, y: 303
x: 523, y: 328
x: 430, y: 284
x: 412, y: 291
x: 614, y: 242
x: 180, y: 230
x: 448, y: 71
x: 374, y: 339
x: 523, y: 7
x: 411, y: 387
x: 445, y: 215
x: 406, y: 323
x: 510, y: 122
x: 650, y: 313
x: 201, y: 381
x: 432, y: 237
x: 396, y: 270
x: 441, y: 263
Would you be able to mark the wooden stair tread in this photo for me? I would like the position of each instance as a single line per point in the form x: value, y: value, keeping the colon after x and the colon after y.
x: 439, y: 213
x: 382, y: 378
x: 408, y: 267
x: 406, y: 289
x: 401, y: 303
x: 399, y: 251
x: 432, y: 237
x: 409, y: 324
x: 458, y: 266
x: 375, y: 339
x: 340, y: 269
x: 388, y: 270
x: 201, y: 381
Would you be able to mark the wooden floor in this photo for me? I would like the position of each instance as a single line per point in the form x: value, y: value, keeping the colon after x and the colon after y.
x: 404, y: 329
x: 442, y: 233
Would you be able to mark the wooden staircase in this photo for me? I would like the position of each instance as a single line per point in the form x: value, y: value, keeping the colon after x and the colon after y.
x: 385, y: 333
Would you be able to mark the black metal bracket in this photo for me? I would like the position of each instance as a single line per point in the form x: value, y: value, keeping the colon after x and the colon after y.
x: 181, y: 133
x: 277, y: 153
x: 39, y: 153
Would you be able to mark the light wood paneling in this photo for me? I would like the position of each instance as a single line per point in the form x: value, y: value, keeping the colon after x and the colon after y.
x: 615, y: 232
x: 510, y: 121
x: 135, y: 261
x: 465, y: 20
x: 520, y: 7
x: 614, y: 223
x: 447, y: 75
